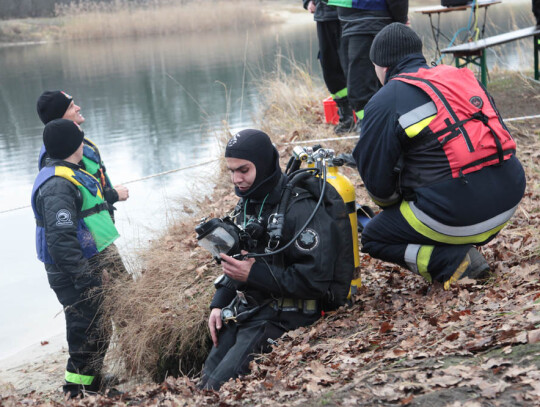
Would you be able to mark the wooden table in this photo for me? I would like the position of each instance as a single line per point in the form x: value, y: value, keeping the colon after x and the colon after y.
x: 435, y: 26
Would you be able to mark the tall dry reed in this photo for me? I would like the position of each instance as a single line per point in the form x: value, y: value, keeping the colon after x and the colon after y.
x: 124, y: 18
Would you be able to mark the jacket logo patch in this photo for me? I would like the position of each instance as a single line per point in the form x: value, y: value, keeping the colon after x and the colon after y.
x: 308, y: 240
x: 63, y: 218
x: 233, y: 140
x: 477, y: 102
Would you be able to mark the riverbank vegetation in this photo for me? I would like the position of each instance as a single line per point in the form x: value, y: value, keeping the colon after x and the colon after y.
x: 126, y: 18
x: 402, y: 342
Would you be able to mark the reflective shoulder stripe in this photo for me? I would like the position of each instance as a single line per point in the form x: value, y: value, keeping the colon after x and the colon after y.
x: 439, y: 232
x: 415, y: 129
x: 418, y: 114
x: 79, y: 378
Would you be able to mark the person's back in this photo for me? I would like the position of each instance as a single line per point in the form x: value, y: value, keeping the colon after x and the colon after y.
x: 450, y: 178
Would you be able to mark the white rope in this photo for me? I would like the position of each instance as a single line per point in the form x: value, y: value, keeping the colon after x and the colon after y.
x: 159, y: 174
x: 515, y: 119
x: 135, y: 180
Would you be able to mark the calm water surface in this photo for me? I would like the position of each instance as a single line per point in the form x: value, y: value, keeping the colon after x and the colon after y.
x: 150, y: 106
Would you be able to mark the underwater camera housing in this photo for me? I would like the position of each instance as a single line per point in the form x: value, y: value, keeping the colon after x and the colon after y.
x: 219, y: 235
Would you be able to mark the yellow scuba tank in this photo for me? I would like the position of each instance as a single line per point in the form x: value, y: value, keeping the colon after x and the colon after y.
x: 345, y: 188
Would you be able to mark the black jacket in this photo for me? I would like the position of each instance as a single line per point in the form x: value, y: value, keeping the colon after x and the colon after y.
x: 360, y: 22
x: 305, y: 271
x: 70, y: 267
x: 425, y: 178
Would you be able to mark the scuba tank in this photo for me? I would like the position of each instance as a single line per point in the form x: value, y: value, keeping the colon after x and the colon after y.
x: 344, y: 187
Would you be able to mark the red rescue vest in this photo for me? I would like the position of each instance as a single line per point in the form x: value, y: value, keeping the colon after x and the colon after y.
x: 467, y: 123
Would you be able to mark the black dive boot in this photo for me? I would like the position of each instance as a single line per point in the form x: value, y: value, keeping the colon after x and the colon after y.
x: 346, y: 118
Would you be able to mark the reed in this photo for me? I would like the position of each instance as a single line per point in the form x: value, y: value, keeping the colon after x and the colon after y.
x: 123, y: 18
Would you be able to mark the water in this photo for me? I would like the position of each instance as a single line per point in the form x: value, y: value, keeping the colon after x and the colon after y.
x: 149, y: 105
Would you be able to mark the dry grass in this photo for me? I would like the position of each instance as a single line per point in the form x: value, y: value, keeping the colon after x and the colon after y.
x: 123, y: 18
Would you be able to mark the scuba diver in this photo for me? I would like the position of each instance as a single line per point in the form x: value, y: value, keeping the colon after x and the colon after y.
x: 289, y: 275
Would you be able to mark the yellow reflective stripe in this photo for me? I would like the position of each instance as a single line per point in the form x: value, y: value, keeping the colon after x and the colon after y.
x: 422, y: 261
x: 413, y: 130
x: 340, y: 94
x: 458, y: 273
x: 360, y: 114
x: 79, y: 378
x: 417, y: 225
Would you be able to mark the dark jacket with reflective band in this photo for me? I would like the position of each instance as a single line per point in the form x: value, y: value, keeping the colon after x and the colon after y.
x: 426, y: 180
x: 369, y: 16
x: 93, y: 164
x: 306, y: 268
x: 65, y: 237
x: 323, y: 11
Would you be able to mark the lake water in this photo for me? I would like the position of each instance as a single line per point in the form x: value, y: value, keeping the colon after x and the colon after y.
x: 151, y: 105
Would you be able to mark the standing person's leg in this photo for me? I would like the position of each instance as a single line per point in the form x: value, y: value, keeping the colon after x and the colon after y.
x: 362, y: 82
x: 330, y: 57
x: 87, y: 342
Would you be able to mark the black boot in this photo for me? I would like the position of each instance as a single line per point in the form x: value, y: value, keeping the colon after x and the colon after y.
x: 346, y: 118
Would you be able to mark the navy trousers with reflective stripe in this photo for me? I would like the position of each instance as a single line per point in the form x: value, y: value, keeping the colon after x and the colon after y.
x: 388, y: 234
x: 86, y: 340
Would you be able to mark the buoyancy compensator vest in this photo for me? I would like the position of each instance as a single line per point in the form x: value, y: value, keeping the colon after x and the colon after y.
x: 344, y: 267
x: 95, y: 230
x: 467, y: 124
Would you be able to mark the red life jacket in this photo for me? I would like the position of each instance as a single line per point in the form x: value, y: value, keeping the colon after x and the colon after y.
x: 467, y: 123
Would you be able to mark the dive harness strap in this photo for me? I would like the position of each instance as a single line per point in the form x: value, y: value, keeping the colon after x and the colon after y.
x: 230, y: 312
x: 104, y: 206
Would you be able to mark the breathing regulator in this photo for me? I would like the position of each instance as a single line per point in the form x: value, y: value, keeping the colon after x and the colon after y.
x: 223, y: 235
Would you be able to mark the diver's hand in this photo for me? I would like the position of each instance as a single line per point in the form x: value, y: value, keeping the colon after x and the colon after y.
x: 238, y: 270
x: 215, y: 324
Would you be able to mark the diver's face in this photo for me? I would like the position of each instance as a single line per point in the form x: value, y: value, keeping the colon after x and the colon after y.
x: 243, y: 173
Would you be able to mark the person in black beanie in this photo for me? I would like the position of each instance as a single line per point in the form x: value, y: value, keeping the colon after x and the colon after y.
x: 74, y: 240
x: 57, y: 104
x: 436, y: 156
x: 257, y: 300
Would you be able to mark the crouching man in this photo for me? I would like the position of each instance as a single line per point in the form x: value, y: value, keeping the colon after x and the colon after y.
x: 74, y: 232
x: 435, y: 154
x: 260, y: 298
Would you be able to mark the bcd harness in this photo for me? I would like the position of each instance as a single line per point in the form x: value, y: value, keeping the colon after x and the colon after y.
x: 465, y: 123
x: 95, y: 230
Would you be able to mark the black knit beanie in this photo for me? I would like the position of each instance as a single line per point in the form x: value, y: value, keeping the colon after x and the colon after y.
x: 255, y: 146
x: 393, y: 43
x: 62, y: 138
x: 52, y: 105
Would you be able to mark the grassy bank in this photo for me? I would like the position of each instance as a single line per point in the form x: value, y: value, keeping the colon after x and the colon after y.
x: 124, y: 18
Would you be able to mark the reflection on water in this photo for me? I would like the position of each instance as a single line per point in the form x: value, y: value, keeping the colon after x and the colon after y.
x: 149, y: 105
